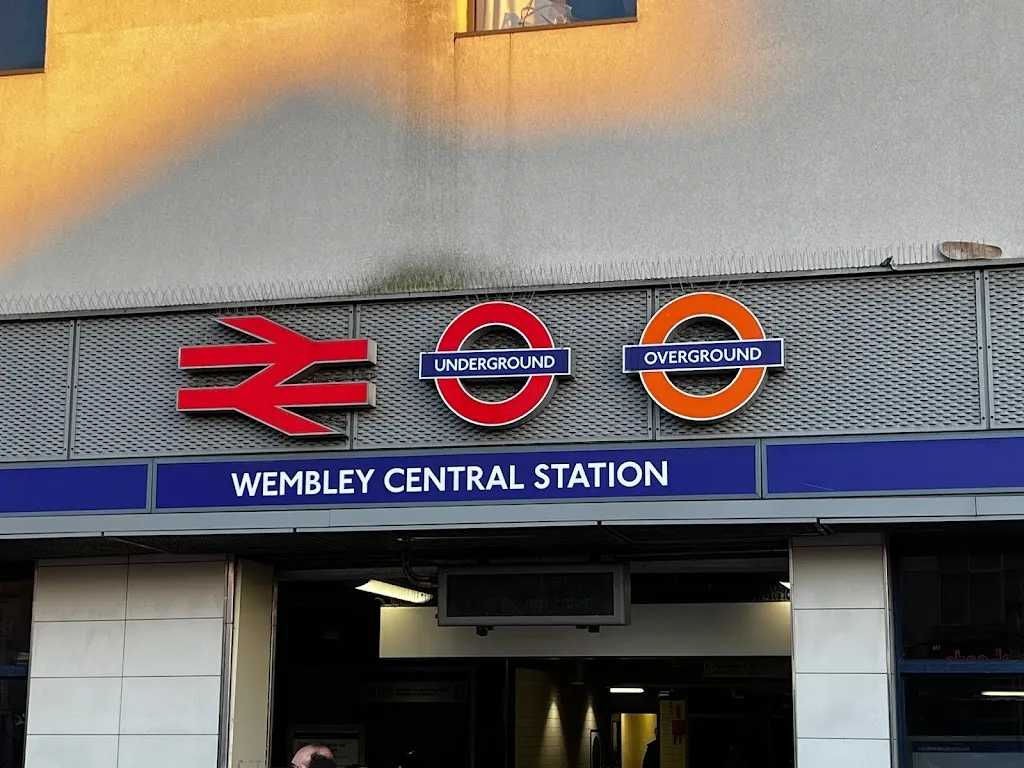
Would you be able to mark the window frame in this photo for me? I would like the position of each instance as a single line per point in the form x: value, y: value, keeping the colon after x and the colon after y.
x: 29, y: 26
x: 468, y: 10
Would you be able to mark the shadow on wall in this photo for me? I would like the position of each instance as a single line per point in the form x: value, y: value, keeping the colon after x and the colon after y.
x: 318, y: 197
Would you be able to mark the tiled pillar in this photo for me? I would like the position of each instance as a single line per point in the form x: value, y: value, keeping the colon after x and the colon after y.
x: 841, y: 652
x: 126, y: 663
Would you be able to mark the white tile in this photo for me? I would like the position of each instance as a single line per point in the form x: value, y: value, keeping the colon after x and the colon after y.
x: 80, y: 593
x: 840, y: 640
x: 838, y: 577
x: 173, y: 647
x: 167, y: 752
x: 176, y: 590
x: 77, y: 649
x: 63, y: 751
x: 170, y: 705
x: 84, y: 705
x: 843, y: 753
x: 842, y: 706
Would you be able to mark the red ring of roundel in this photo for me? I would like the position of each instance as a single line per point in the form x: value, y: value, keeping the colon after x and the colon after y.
x: 528, y: 399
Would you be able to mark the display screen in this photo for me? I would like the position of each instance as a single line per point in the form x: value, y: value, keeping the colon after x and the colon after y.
x: 531, y: 594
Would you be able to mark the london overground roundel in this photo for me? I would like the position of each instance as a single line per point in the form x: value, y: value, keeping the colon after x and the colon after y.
x: 751, y: 355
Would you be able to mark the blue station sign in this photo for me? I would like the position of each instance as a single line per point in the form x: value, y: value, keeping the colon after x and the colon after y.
x: 728, y: 471
x: 74, y: 488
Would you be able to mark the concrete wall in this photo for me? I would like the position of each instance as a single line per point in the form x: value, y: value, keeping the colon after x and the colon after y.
x: 126, y: 663
x: 842, y: 658
x: 209, y: 145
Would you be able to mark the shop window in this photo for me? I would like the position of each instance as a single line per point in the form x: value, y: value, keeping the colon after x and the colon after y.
x: 962, y: 606
x: 22, y: 36
x: 964, y: 721
x: 960, y: 624
x: 493, y: 15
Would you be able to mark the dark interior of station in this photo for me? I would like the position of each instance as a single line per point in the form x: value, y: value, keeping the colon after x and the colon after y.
x: 560, y: 710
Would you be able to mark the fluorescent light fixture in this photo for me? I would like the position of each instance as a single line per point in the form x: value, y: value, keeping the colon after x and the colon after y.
x: 625, y: 690
x: 785, y: 584
x: 1004, y: 694
x: 395, y: 592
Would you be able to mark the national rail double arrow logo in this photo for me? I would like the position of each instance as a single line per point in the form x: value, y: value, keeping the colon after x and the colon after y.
x: 266, y: 395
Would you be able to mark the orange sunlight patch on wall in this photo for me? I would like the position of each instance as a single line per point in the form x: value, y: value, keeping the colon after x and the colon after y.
x: 131, y: 87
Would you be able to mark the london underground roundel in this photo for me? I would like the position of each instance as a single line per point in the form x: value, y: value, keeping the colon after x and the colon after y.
x: 751, y: 355
x: 540, y: 364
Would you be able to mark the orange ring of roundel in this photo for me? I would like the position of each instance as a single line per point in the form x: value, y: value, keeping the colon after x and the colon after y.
x: 724, y: 402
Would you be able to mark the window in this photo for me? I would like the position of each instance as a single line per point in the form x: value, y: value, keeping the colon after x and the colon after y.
x: 960, y: 624
x: 964, y: 721
x: 22, y: 35
x: 963, y: 606
x: 489, y: 15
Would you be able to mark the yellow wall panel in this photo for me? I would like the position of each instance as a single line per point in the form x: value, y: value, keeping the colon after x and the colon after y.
x: 637, y: 733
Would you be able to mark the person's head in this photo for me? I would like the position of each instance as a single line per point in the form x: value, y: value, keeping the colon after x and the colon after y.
x: 305, y: 755
x: 322, y: 761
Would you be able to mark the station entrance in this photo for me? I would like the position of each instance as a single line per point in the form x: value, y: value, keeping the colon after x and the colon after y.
x: 699, y: 678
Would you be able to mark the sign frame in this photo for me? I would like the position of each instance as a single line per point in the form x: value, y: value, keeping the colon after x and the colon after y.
x: 620, y: 615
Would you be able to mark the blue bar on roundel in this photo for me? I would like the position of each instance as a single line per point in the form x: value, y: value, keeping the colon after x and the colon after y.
x: 703, y: 356
x: 98, y: 488
x: 496, y: 363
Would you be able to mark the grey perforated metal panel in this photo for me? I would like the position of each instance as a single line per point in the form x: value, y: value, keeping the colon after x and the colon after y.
x: 883, y: 353
x: 599, y: 404
x: 128, y: 377
x: 1005, y: 302
x: 35, y: 375
x: 865, y: 354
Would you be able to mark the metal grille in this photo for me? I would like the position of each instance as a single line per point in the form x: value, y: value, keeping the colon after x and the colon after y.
x: 1005, y: 294
x: 599, y: 404
x: 128, y: 378
x: 870, y: 354
x: 35, y: 374
x: 864, y: 354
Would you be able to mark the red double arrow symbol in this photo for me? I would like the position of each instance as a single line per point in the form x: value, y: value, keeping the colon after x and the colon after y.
x: 284, y: 354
